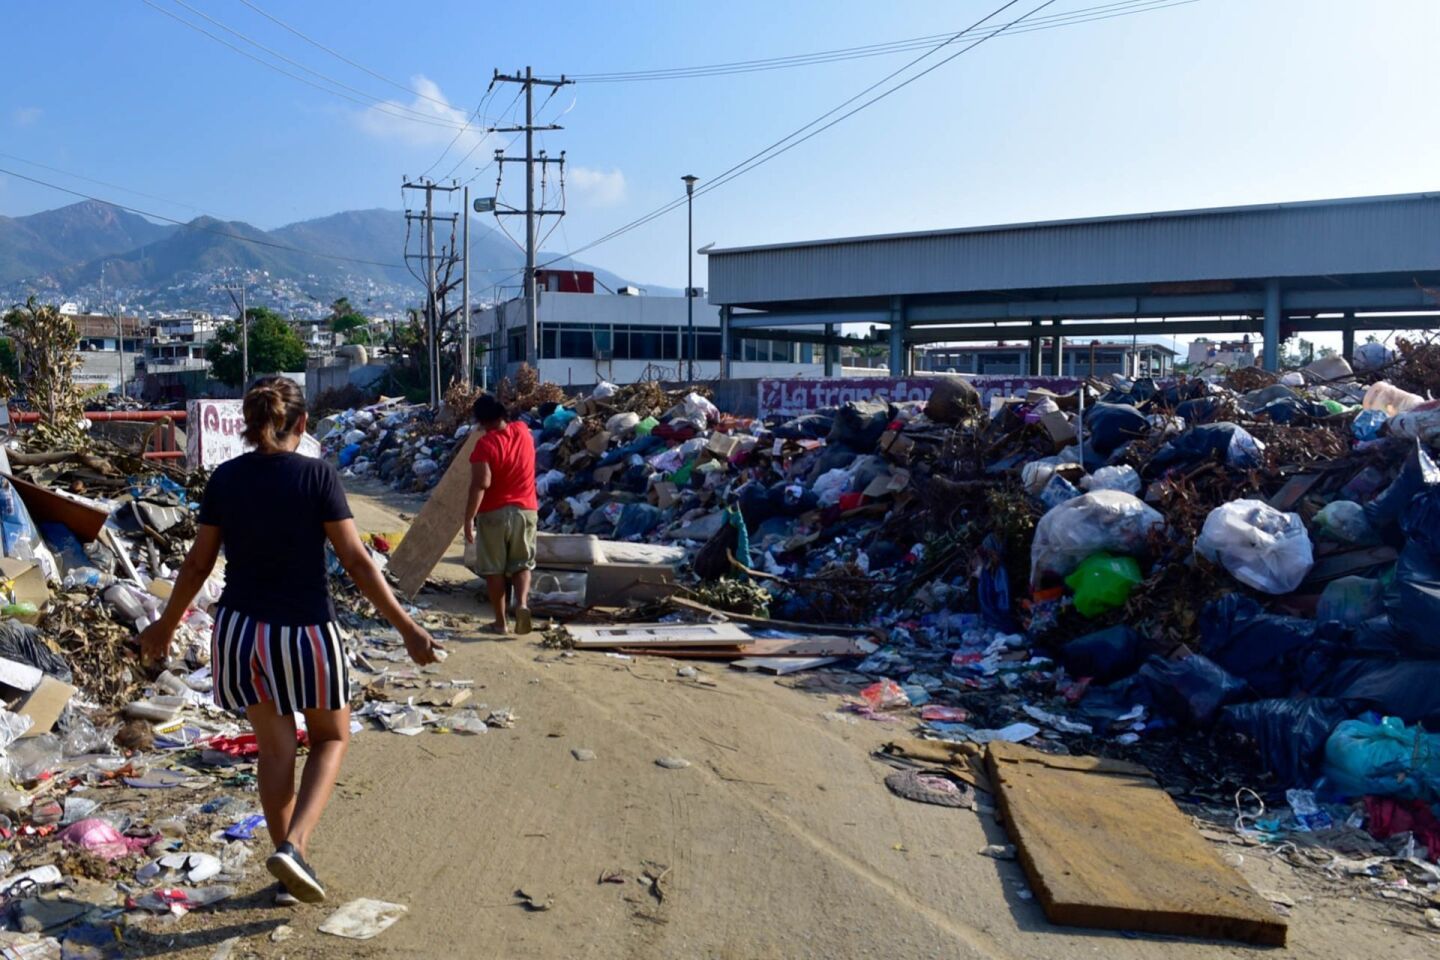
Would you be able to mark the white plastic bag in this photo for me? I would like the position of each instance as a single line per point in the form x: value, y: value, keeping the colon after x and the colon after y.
x: 1370, y: 356
x: 1110, y: 520
x: 1260, y: 546
x: 1383, y: 395
x: 1123, y: 477
x: 831, y: 485
x: 698, y: 406
x: 622, y: 424
x: 604, y: 390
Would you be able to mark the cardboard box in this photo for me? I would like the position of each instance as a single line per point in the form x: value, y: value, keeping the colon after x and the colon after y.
x: 1061, y: 430
x: 25, y: 581
x: 666, y: 493
x: 615, y: 584
x: 723, y: 445
x: 599, y: 443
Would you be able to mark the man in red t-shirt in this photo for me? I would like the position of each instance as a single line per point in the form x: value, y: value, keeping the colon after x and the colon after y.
x: 501, y: 510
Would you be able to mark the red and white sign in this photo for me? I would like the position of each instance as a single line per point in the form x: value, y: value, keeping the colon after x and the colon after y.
x: 793, y: 397
x: 214, y: 433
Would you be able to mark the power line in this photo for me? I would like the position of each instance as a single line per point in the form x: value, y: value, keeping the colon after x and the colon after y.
x: 780, y: 146
x: 295, y: 63
x: 193, y: 226
x: 372, y: 102
x: 479, y: 108
x: 1067, y: 18
x: 721, y: 178
x: 103, y: 183
x: 341, y: 57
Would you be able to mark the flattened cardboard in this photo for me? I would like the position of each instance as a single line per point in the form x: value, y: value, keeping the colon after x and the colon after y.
x: 615, y: 584
x: 46, y: 505
x: 44, y: 704
x: 599, y: 443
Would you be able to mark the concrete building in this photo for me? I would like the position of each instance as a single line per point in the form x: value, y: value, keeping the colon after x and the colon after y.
x: 1205, y: 352
x: 103, y: 365
x: 1079, y: 359
x: 1271, y: 271
x: 588, y: 337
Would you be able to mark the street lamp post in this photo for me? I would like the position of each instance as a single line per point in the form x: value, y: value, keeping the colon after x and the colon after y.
x: 690, y: 275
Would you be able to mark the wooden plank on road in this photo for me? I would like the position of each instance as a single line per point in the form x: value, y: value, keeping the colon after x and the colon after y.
x: 1106, y: 847
x: 436, y: 526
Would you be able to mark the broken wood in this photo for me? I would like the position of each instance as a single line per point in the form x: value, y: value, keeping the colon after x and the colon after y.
x: 436, y: 526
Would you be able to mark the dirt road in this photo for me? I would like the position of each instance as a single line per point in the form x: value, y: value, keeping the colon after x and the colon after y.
x: 778, y: 841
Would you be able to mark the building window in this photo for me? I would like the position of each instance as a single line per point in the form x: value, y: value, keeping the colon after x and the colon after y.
x: 516, y: 346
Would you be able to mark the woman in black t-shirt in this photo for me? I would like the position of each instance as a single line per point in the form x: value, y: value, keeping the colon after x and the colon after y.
x: 275, y: 650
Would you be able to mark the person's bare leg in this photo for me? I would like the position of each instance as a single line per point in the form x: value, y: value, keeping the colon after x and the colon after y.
x: 497, y: 588
x: 275, y: 771
x: 522, y: 589
x: 329, y: 732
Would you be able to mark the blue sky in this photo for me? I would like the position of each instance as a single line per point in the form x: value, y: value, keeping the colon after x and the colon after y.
x: 1212, y: 102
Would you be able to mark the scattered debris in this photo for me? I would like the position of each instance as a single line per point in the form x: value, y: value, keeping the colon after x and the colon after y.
x: 363, y: 919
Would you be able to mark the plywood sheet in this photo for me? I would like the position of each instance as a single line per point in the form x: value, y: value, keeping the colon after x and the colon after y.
x: 659, y: 635
x: 1103, y: 846
x: 436, y: 526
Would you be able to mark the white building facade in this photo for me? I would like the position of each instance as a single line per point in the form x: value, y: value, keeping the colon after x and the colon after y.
x: 587, y: 337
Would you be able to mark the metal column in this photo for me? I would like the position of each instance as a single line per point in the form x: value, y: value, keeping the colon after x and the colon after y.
x: 724, y: 343
x: 829, y: 350
x: 1347, y: 337
x: 1033, y: 368
x: 1270, y: 359
x: 1057, y: 351
x: 897, y: 338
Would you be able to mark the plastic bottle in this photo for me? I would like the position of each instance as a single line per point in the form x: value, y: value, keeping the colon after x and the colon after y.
x: 80, y: 577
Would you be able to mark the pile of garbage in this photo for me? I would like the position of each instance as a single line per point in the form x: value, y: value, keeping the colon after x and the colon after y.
x: 1234, y: 581
x: 126, y: 793
x: 405, y: 445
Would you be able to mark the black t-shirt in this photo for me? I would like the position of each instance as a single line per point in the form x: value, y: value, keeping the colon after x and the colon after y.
x: 271, y: 509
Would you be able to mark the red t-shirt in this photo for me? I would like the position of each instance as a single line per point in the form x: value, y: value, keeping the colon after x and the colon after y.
x: 510, y: 452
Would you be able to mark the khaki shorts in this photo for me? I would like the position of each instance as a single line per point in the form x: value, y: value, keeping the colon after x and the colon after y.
x: 505, y: 541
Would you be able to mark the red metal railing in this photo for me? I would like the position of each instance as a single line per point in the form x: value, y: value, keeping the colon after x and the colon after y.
x: 162, y: 441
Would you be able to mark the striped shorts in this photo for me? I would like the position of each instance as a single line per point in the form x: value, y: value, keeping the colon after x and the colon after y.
x: 295, y: 668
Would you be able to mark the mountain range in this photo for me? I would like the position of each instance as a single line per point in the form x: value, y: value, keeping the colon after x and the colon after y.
x: 67, y: 247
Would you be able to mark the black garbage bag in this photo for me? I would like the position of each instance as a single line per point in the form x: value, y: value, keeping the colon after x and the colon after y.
x: 1385, y: 511
x: 1262, y: 648
x: 1421, y: 521
x: 1192, y: 689
x: 1111, y: 425
x: 1198, y: 410
x: 21, y: 642
x: 811, y: 426
x: 1413, y: 601
x: 759, y: 503
x: 1230, y: 440
x: 1105, y: 655
x: 712, y: 561
x: 1289, y: 734
x: 1408, y: 689
x: 859, y: 424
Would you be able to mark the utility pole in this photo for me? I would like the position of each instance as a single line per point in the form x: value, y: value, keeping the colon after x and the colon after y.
x: 531, y: 213
x: 466, y: 363
x: 433, y: 320
x: 690, y: 274
x: 244, y: 323
x: 119, y: 328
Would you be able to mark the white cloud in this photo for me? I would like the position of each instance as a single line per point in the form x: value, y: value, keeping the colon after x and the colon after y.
x: 597, y: 188
x: 397, y: 121
x: 26, y: 116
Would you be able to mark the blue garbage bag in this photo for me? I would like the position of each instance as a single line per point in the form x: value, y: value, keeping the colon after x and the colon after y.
x: 636, y: 520
x: 1385, y: 759
x: 1105, y: 655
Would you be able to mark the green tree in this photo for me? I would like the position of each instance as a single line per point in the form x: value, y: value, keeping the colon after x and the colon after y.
x: 345, y: 319
x: 9, y: 362
x: 274, y: 348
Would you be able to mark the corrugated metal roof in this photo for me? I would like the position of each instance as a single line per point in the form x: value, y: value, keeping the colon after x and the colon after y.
x: 1363, y: 235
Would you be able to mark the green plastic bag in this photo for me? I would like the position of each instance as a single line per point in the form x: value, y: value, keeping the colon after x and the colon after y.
x: 1103, y: 582
x: 681, y: 477
x: 643, y: 428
